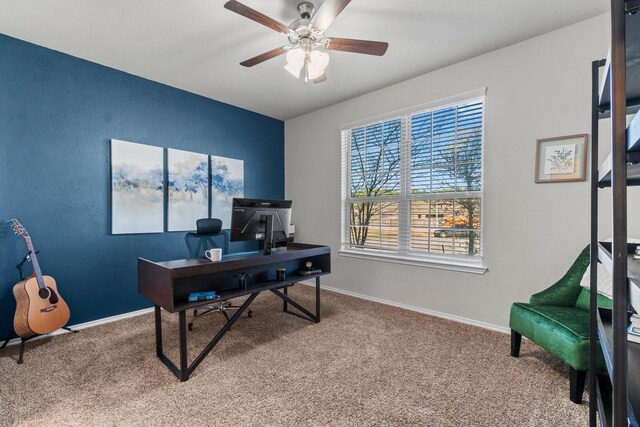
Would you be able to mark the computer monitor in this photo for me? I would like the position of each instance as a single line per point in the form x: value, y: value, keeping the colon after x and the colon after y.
x: 261, y: 220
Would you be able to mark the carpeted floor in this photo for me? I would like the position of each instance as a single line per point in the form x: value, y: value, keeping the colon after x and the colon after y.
x: 364, y: 364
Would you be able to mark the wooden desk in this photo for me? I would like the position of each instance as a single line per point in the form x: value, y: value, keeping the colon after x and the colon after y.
x: 168, y: 284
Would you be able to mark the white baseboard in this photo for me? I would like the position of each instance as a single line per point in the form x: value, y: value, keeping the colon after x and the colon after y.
x: 416, y: 309
x: 90, y: 324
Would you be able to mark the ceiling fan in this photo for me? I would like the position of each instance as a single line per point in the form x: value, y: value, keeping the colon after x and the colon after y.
x: 307, y: 56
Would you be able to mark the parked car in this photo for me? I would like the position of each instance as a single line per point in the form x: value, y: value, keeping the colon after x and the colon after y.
x: 452, y: 231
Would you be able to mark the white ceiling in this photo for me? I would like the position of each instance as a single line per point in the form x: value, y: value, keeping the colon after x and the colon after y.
x: 196, y: 45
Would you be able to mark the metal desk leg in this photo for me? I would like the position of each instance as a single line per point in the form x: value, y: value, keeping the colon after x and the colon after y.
x: 304, y: 313
x: 285, y: 304
x: 158, y: 316
x: 184, y: 371
x: 182, y: 320
x: 317, y: 319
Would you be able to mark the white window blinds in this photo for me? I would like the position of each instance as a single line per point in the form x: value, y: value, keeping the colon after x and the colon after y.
x: 412, y: 184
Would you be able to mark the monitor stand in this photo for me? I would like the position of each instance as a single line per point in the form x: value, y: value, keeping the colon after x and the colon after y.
x: 268, y: 234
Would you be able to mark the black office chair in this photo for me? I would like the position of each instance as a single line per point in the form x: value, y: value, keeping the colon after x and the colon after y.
x: 209, y: 234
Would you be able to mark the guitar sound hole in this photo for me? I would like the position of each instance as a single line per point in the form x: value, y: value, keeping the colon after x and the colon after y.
x: 53, y: 299
x: 44, y: 293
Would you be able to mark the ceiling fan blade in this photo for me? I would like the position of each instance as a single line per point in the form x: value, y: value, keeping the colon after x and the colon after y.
x: 254, y: 15
x: 357, y: 46
x: 327, y: 13
x: 263, y: 57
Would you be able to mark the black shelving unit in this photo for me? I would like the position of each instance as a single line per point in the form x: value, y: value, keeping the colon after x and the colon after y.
x: 605, y: 332
x: 615, y: 395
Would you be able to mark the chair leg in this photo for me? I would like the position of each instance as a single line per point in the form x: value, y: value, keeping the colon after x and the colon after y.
x: 516, y: 339
x: 576, y: 385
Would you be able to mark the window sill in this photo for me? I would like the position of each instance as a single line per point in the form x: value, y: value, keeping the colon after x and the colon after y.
x: 465, y: 266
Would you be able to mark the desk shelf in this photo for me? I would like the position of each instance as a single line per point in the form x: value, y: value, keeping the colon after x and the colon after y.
x: 251, y: 288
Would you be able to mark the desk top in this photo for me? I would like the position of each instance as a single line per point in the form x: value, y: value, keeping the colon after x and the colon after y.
x: 188, y: 267
x: 168, y: 283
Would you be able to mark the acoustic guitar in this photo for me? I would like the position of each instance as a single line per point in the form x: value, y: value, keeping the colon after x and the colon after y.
x: 39, y: 309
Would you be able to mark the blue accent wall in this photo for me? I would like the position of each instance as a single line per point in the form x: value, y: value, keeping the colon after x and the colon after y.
x: 57, y: 116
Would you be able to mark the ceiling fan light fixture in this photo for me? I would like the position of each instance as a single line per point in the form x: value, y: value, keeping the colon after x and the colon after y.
x: 295, y: 61
x: 318, y: 61
x: 307, y: 66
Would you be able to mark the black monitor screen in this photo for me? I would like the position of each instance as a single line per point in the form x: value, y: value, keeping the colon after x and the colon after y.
x: 249, y: 219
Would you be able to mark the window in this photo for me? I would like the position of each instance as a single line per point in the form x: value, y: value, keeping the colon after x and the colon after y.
x: 412, y: 186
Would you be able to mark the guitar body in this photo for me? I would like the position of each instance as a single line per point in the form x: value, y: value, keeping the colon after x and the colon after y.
x: 38, y: 311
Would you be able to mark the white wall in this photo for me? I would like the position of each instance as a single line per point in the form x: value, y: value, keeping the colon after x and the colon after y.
x: 536, y: 89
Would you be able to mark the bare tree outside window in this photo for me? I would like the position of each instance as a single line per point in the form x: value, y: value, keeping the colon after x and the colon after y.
x: 415, y: 183
x: 375, y: 171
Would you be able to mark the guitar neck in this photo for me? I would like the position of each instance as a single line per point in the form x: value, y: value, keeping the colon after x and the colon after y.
x: 34, y: 262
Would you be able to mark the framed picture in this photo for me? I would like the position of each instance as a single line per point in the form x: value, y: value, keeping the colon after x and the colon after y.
x: 188, y: 189
x: 561, y: 159
x: 137, y: 188
x: 227, y: 182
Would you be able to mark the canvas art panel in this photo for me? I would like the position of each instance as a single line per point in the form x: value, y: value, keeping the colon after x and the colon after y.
x: 137, y: 196
x: 561, y: 159
x: 188, y: 189
x: 227, y: 182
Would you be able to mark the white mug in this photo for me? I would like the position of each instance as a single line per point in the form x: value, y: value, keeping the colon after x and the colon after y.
x: 214, y: 254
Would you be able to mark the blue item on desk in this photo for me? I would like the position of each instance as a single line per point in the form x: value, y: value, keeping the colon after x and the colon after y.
x: 203, y: 296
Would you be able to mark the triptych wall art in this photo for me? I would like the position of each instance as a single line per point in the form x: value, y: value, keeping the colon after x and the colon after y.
x: 188, y: 184
x: 193, y: 186
x: 137, y: 188
x: 227, y: 182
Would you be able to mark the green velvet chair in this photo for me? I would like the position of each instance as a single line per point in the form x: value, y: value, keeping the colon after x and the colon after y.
x: 557, y: 319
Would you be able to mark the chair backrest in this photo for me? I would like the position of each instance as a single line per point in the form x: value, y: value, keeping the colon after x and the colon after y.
x: 209, y: 234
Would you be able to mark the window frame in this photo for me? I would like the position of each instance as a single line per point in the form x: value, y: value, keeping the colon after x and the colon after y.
x: 404, y: 254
